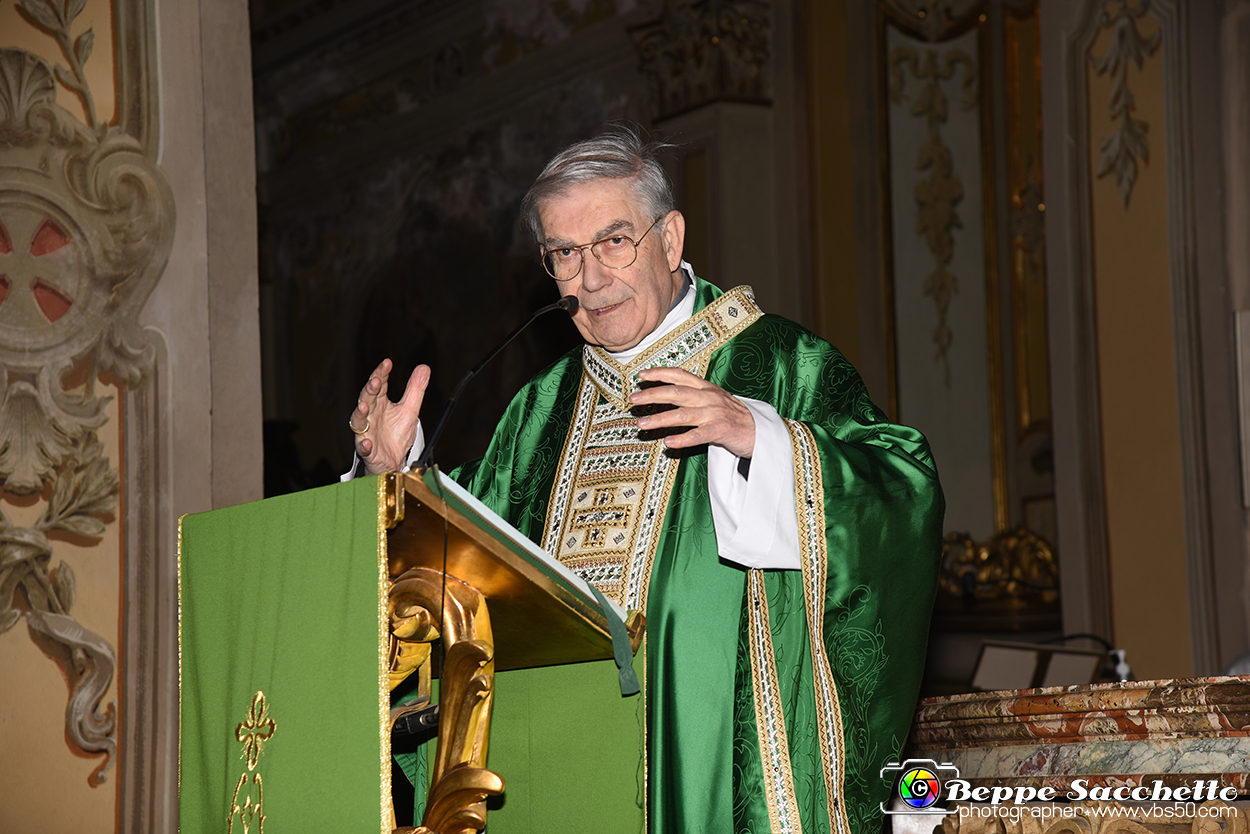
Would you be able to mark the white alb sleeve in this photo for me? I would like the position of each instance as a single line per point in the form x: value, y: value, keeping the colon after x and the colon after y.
x: 755, y: 518
x: 418, y: 446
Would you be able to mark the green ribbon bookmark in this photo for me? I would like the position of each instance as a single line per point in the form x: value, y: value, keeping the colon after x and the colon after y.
x: 620, y: 646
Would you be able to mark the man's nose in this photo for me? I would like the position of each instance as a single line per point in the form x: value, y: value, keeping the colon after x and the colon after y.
x: 595, y: 276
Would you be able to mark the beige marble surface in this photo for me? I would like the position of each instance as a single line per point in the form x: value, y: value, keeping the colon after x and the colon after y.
x: 1133, y: 733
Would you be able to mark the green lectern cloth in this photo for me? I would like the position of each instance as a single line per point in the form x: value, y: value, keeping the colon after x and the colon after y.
x: 282, y: 597
x: 570, y: 750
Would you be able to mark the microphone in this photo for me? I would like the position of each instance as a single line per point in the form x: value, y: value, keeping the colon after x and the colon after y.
x: 568, y: 304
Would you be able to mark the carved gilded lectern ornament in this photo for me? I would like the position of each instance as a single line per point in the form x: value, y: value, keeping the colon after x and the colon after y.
x: 445, y: 562
x: 460, y: 781
x: 86, y: 225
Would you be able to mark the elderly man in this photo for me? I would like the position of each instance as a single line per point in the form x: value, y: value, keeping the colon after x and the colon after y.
x: 781, y: 536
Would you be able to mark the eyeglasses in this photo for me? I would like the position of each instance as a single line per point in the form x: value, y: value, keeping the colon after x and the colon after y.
x: 564, y: 263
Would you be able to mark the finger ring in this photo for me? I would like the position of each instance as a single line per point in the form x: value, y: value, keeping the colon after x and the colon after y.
x: 356, y: 430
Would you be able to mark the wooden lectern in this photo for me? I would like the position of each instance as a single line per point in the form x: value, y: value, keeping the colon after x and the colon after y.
x: 297, y: 617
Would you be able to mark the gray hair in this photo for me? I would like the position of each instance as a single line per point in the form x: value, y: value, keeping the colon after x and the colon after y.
x: 617, y: 153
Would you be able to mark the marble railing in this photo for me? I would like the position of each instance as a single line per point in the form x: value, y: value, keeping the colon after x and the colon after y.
x: 1184, y: 734
x: 1128, y: 733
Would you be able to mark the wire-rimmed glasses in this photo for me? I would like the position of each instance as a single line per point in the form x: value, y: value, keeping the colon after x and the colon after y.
x: 564, y: 263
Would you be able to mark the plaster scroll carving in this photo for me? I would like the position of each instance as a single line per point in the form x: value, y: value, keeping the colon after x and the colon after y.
x: 1123, y: 146
x: 936, y: 20
x: 86, y: 225
x: 700, y: 51
x: 57, y: 17
x: 937, y: 196
x: 941, y: 20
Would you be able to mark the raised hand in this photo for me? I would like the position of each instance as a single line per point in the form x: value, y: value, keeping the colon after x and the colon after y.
x: 715, y: 415
x: 384, y: 430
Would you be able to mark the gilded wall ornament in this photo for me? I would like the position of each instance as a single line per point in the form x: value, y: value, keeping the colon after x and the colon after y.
x: 700, y: 51
x: 1009, y: 582
x: 86, y: 225
x: 937, y: 196
x: 1123, y: 146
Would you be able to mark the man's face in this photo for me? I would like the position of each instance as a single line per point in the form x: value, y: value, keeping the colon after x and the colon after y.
x: 618, y: 308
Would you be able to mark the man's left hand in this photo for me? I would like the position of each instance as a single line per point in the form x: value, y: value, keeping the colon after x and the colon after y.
x: 715, y: 415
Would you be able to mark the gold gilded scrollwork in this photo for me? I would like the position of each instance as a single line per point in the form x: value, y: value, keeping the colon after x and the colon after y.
x: 252, y: 733
x: 1013, y: 572
x: 460, y: 782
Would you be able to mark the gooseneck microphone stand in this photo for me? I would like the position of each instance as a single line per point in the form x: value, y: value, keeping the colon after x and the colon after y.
x: 568, y: 304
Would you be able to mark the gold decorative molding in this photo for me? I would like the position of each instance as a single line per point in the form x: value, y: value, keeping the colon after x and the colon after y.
x: 699, y: 51
x: 937, y: 196
x: 1123, y: 146
x: 86, y: 226
x: 1027, y: 224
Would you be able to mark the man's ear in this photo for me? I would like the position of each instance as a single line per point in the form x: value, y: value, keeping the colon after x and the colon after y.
x: 674, y: 236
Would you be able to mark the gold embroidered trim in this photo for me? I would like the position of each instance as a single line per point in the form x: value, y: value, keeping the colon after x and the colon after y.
x: 387, y: 810
x: 660, y: 487
x: 770, y: 721
x: 693, y: 341
x: 569, y: 456
x: 644, y: 708
x: 252, y: 733
x: 809, y: 499
x: 612, y: 489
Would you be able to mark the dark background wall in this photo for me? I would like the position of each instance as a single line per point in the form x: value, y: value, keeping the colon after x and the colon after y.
x: 395, y: 141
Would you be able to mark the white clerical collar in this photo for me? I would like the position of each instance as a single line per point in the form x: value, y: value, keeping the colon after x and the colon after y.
x: 682, y: 310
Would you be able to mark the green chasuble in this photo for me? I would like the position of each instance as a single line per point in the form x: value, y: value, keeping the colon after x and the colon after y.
x: 774, y: 697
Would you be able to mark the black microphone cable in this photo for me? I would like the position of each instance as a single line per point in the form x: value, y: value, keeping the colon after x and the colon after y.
x: 568, y: 303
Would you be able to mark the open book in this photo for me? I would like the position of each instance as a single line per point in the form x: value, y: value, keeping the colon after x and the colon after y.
x: 472, y: 508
